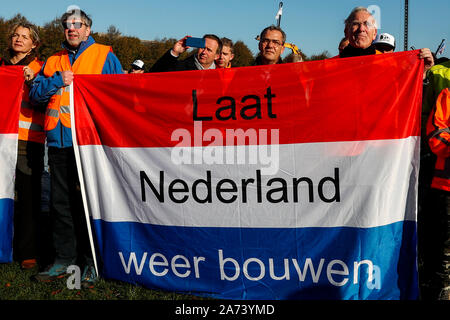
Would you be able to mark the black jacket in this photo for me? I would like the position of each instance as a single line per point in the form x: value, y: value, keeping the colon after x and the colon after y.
x: 350, y: 51
x: 6, y: 60
x: 258, y: 61
x: 169, y: 63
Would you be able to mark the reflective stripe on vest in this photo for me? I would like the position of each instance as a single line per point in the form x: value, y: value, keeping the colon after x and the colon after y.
x: 31, y: 122
x: 90, y: 61
x: 30, y: 126
x: 52, y: 113
x: 64, y: 109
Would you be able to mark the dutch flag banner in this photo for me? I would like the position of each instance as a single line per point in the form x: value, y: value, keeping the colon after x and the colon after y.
x: 291, y: 181
x: 11, y: 86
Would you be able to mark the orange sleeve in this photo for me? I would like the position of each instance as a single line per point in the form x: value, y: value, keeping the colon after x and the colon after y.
x: 438, y: 125
x: 36, y: 65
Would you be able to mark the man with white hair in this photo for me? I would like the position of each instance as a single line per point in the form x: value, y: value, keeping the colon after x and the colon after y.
x: 361, y: 31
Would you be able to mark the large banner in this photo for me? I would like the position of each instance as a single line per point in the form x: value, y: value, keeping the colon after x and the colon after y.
x: 11, y: 86
x: 294, y: 181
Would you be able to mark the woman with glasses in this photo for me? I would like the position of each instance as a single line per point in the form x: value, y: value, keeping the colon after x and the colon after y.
x: 23, y: 41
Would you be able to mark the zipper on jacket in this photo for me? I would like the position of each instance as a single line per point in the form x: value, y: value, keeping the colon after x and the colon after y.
x: 61, y: 126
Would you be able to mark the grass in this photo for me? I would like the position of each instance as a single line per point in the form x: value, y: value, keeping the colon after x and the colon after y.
x: 15, y: 284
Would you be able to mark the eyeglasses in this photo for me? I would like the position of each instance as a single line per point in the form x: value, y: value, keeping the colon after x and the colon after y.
x: 76, y: 25
x: 367, y: 24
x: 384, y: 47
x: 276, y: 43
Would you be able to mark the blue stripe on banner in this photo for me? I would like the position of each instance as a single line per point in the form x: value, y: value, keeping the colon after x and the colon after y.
x: 256, y: 263
x: 6, y: 229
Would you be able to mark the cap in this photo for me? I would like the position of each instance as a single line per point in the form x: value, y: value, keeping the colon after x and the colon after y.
x: 138, y: 63
x: 385, y: 38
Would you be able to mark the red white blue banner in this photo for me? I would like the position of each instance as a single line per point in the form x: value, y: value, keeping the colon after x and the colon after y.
x: 294, y: 181
x: 11, y: 86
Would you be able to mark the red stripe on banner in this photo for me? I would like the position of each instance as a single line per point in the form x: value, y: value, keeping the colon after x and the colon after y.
x: 11, y: 87
x: 352, y: 99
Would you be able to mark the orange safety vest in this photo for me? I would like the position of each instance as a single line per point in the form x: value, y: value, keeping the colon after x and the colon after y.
x: 90, y: 61
x: 31, y: 122
x: 439, y: 140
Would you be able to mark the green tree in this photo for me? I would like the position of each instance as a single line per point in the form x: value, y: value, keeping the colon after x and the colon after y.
x: 18, y: 18
x: 52, y: 36
x: 112, y: 33
x: 3, y: 36
x: 242, y: 55
x: 321, y: 56
x: 155, y: 49
x: 127, y: 50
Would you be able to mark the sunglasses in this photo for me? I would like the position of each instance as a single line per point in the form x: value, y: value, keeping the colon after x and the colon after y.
x: 76, y: 25
x: 384, y: 47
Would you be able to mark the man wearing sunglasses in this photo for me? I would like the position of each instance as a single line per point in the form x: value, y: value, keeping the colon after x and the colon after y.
x: 80, y: 55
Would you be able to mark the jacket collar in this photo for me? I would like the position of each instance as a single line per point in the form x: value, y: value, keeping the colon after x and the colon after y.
x: 24, y: 62
x: 259, y: 62
x: 200, y: 67
x: 83, y: 46
x: 350, y: 51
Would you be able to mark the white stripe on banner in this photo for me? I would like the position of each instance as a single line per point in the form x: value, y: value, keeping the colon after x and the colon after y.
x: 353, y: 184
x: 8, y: 158
x: 8, y: 147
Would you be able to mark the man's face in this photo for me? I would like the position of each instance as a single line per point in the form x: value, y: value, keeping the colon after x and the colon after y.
x: 225, y: 57
x: 76, y: 31
x: 361, y: 31
x: 271, y: 46
x: 208, y: 54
